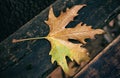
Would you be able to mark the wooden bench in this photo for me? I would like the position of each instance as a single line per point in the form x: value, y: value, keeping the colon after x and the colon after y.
x: 31, y: 59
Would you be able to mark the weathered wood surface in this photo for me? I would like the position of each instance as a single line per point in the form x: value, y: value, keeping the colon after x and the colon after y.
x: 105, y: 65
x: 15, y: 13
x: 30, y: 59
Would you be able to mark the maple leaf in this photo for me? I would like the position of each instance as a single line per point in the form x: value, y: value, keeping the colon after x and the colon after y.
x: 59, y: 35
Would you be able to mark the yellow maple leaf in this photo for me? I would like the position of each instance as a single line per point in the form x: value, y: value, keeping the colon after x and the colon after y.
x: 59, y: 35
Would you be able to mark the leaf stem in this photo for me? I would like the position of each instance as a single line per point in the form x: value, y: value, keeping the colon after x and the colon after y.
x: 27, y: 39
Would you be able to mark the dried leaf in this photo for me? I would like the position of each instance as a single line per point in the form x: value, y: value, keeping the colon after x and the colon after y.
x: 59, y: 36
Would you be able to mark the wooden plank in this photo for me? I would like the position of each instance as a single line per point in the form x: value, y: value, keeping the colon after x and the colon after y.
x: 30, y: 59
x: 105, y: 65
